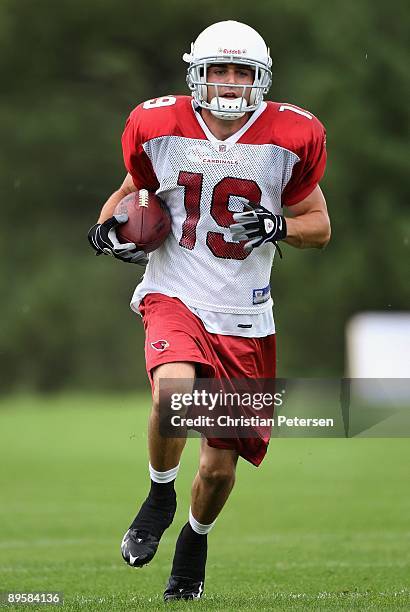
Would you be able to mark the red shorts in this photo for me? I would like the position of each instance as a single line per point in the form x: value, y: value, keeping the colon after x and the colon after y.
x: 173, y: 333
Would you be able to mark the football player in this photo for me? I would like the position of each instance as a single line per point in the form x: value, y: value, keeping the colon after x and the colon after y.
x: 225, y: 162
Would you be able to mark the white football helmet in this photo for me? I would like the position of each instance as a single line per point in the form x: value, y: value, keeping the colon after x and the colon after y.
x: 229, y: 42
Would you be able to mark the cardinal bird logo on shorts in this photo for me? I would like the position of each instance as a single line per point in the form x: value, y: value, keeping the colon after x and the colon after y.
x: 160, y: 345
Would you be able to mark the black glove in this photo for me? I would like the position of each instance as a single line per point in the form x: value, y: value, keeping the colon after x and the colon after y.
x: 258, y: 226
x: 103, y: 239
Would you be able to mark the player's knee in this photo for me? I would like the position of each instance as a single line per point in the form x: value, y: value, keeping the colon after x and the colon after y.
x: 167, y: 399
x: 171, y: 382
x: 217, y: 476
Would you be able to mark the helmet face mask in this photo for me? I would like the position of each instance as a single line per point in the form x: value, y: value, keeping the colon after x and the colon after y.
x: 229, y: 42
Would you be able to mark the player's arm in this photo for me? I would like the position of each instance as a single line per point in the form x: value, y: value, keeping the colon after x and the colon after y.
x: 102, y: 236
x: 308, y: 225
x: 126, y: 188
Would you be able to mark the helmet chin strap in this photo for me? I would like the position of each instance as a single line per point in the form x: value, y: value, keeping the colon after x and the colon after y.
x: 228, y: 109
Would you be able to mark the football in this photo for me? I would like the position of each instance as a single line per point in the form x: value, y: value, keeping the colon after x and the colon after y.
x: 148, y: 222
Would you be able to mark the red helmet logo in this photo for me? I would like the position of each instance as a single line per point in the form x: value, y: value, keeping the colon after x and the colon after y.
x: 160, y: 345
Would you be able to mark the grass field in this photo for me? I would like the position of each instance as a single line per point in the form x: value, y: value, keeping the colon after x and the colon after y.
x: 321, y: 525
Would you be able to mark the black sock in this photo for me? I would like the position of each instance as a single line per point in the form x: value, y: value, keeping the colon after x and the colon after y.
x: 158, y: 510
x: 190, y: 554
x: 162, y: 491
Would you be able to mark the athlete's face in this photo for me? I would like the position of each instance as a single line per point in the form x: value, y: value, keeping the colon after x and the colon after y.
x: 234, y: 75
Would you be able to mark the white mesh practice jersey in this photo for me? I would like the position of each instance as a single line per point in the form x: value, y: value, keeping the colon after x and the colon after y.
x: 277, y: 158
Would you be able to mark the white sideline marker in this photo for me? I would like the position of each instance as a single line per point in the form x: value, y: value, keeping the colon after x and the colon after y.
x: 378, y: 346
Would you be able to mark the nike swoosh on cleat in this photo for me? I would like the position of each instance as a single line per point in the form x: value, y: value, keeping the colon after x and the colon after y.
x: 133, y: 559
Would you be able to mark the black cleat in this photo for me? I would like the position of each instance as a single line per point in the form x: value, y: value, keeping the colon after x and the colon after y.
x: 138, y: 547
x: 141, y: 541
x: 181, y: 587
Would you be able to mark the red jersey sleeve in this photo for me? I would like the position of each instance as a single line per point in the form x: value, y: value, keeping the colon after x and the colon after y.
x: 311, y: 166
x: 136, y: 160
